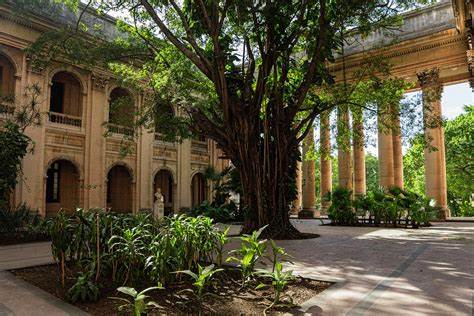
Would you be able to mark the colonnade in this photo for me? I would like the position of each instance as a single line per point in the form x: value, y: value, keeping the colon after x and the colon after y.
x: 351, y: 154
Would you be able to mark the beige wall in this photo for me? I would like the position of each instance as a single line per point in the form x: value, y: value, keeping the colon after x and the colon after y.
x: 85, y: 145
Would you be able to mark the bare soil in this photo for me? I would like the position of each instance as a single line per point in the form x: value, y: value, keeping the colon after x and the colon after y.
x: 227, y: 296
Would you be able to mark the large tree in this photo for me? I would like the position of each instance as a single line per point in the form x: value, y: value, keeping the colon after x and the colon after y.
x: 245, y: 74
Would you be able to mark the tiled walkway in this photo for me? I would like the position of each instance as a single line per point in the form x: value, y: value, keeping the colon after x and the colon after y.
x: 377, y: 272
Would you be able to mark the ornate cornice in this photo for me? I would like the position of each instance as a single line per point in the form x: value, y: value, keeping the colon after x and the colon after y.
x: 99, y: 81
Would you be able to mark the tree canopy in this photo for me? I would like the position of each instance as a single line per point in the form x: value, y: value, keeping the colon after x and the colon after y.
x: 244, y: 73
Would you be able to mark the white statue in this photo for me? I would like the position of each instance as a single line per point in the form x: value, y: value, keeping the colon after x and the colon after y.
x: 159, y: 205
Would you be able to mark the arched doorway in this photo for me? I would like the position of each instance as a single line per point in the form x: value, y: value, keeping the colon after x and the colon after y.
x: 62, y: 187
x: 119, y: 190
x: 198, y: 189
x: 164, y: 181
x: 65, y: 101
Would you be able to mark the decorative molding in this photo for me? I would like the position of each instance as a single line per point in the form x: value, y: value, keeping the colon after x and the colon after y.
x: 428, y: 77
x: 99, y: 81
x: 35, y: 66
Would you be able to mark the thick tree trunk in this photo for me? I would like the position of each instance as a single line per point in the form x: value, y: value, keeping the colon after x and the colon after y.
x: 268, y: 173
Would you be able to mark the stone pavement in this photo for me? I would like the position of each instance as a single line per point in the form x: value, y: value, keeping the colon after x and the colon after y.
x: 21, y: 298
x: 388, y: 271
x: 25, y: 255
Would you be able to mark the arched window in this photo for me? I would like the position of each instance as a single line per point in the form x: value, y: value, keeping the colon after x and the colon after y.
x: 119, y: 190
x: 65, y: 102
x: 164, y: 120
x: 62, y: 187
x: 121, y: 107
x: 198, y: 189
x: 7, y: 77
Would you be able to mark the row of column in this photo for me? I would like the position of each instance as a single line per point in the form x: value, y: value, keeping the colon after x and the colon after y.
x: 351, y: 161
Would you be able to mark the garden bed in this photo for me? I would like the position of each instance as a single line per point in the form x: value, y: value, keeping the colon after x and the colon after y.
x: 227, y: 296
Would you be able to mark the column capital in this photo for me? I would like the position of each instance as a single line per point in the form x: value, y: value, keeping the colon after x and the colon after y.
x: 99, y: 81
x: 430, y: 84
x: 428, y: 77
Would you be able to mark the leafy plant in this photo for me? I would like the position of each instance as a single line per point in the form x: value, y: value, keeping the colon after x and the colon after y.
x: 61, y: 231
x: 341, y: 211
x: 138, y: 304
x: 279, y: 281
x: 201, y: 280
x: 130, y: 250
x: 250, y: 252
x: 278, y: 255
x: 221, y: 240
x: 84, y: 290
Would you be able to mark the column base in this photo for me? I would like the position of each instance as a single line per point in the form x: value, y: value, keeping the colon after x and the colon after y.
x: 443, y: 213
x: 307, y: 213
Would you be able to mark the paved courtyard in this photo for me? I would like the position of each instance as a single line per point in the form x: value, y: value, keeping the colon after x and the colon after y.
x: 389, y: 271
x: 376, y: 271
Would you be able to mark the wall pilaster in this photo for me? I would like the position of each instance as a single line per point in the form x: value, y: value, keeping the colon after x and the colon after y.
x: 95, y: 157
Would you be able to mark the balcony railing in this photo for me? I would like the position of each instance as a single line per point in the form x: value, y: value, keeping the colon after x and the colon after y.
x: 119, y: 129
x: 65, y: 119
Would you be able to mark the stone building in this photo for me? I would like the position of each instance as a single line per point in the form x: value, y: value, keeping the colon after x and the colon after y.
x: 433, y: 48
x: 75, y: 163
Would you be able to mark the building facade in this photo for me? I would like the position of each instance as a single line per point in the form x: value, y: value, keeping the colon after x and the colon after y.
x: 77, y: 159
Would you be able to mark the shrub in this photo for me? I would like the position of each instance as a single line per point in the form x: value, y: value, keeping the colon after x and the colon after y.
x: 341, y: 211
x: 17, y: 220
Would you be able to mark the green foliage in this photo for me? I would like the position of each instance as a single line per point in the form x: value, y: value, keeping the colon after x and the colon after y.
x: 341, y: 211
x: 138, y: 304
x: 18, y: 219
x: 278, y: 255
x: 15, y: 144
x: 230, y: 68
x: 371, y: 171
x: 251, y: 251
x: 221, y: 209
x: 459, y: 146
x: 414, y: 166
x: 201, y: 280
x: 279, y: 281
x: 84, y: 290
x: 459, y: 142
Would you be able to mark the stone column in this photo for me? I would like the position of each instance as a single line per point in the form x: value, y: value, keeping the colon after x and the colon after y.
x: 435, y: 163
x: 299, y: 187
x: 359, y: 152
x: 397, y: 150
x: 344, y: 149
x: 325, y: 164
x: 309, y: 187
x: 385, y: 149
